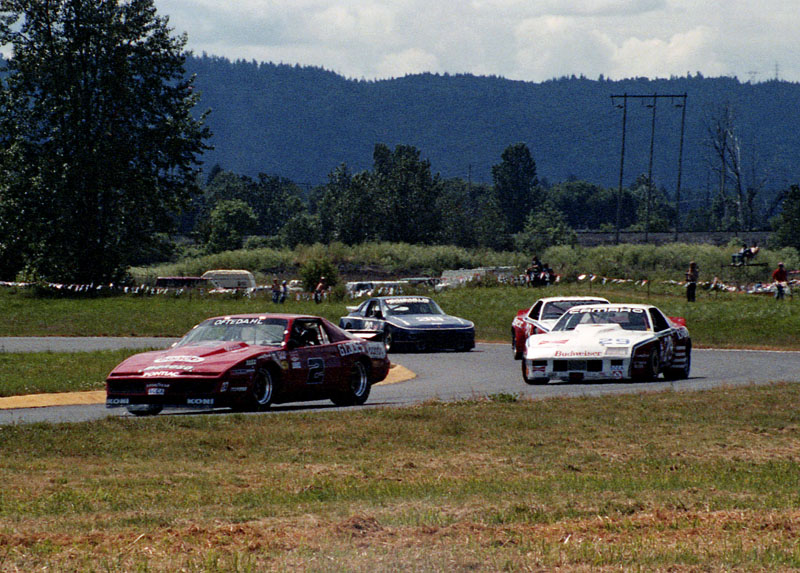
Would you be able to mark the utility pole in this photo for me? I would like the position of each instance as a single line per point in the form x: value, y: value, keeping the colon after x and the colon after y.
x: 682, y: 105
x: 653, y: 97
x: 650, y: 172
x: 624, y: 107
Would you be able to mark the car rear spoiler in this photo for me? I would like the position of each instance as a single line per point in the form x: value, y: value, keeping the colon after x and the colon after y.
x: 679, y: 320
x: 374, y: 335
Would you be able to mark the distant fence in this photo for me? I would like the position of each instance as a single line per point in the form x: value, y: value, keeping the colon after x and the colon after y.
x: 719, y: 238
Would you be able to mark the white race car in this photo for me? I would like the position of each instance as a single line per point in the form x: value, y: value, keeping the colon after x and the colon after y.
x: 609, y: 341
x: 542, y: 316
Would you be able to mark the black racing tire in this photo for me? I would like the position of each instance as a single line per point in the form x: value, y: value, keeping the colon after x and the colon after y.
x: 358, y: 387
x: 145, y: 409
x: 532, y: 381
x: 653, y: 366
x: 262, y: 393
x: 516, y: 351
x: 683, y: 372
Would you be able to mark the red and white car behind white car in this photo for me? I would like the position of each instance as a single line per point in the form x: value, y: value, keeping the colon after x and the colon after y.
x: 609, y: 341
x: 542, y: 316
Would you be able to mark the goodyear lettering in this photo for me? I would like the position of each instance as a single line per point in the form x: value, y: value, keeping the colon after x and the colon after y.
x: 348, y: 348
x: 179, y: 359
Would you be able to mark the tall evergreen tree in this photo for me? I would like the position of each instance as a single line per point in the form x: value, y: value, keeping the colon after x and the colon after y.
x: 405, y: 193
x: 514, y: 183
x: 98, y: 144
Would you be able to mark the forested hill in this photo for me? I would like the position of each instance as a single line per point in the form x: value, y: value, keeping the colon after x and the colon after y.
x: 301, y: 122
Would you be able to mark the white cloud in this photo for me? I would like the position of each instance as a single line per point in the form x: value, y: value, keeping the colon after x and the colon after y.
x: 410, y: 61
x: 519, y: 39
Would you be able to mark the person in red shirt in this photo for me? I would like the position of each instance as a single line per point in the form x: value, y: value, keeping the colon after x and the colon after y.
x: 779, y: 277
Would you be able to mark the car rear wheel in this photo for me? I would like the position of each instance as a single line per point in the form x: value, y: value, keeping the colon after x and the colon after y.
x: 358, y: 388
x: 681, y: 373
x: 530, y: 380
x: 145, y: 409
x: 516, y: 351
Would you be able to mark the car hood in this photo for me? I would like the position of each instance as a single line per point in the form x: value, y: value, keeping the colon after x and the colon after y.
x: 586, y: 341
x: 428, y: 321
x: 547, y: 323
x: 200, y: 359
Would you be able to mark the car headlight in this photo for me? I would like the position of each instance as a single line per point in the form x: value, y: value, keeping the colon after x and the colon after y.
x: 617, y: 351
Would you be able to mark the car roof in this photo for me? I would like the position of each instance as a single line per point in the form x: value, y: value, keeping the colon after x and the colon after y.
x: 614, y: 306
x: 401, y: 297
x: 567, y: 298
x: 286, y: 316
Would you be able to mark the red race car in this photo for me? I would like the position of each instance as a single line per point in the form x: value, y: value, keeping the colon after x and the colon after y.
x: 542, y: 316
x: 248, y: 362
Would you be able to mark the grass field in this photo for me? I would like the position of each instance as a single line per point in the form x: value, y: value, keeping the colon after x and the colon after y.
x: 669, y: 481
x: 717, y: 319
x: 701, y: 482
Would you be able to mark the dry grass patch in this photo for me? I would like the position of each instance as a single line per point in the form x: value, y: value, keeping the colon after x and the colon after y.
x: 670, y: 481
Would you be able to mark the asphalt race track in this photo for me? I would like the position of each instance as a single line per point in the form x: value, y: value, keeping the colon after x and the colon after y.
x: 489, y: 369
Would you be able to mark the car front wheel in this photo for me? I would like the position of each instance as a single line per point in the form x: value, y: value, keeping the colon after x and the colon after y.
x: 652, y: 367
x: 531, y: 380
x: 145, y: 409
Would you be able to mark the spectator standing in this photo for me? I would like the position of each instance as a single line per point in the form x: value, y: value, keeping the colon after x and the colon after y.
x: 320, y: 290
x: 284, y: 292
x: 276, y: 290
x: 780, y: 278
x: 691, y: 281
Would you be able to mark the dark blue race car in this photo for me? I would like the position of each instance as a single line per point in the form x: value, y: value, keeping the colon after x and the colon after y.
x: 409, y: 323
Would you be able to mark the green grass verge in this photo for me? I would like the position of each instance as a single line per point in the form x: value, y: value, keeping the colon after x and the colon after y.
x: 704, y: 481
x: 716, y: 319
x: 44, y: 372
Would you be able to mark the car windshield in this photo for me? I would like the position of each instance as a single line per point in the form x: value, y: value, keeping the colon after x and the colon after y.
x: 258, y: 331
x: 412, y: 305
x: 627, y: 318
x: 556, y: 308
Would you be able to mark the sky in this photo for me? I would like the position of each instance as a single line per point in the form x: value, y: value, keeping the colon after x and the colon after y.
x: 529, y: 40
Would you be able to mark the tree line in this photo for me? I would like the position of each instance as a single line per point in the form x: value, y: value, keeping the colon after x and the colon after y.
x: 101, y: 146
x: 401, y: 198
